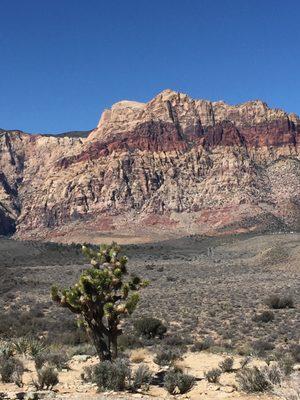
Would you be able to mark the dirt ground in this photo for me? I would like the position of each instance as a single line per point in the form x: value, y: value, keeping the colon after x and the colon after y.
x: 71, y: 385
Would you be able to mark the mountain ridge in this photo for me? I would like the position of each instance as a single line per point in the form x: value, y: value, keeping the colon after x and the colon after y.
x: 172, y: 166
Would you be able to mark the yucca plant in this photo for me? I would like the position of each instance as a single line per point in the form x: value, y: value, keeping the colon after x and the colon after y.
x: 28, y: 346
x: 6, y: 350
x: 103, y: 295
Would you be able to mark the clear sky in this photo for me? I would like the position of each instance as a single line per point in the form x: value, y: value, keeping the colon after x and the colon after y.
x: 63, y: 61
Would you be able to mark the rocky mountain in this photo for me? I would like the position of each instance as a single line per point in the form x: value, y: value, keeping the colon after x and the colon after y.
x: 173, y: 166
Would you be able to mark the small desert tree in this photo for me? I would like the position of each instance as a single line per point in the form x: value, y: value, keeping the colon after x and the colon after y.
x: 103, y: 294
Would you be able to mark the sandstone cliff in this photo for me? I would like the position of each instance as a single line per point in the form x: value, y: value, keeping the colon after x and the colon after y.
x: 172, y: 166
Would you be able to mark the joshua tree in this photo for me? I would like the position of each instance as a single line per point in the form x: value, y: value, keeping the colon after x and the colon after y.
x: 102, y: 296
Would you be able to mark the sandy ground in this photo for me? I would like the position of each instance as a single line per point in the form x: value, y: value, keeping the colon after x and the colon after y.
x: 71, y: 385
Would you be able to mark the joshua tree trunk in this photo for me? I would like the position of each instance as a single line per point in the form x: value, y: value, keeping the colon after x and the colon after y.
x: 103, y: 350
x: 114, y: 346
x: 113, y: 333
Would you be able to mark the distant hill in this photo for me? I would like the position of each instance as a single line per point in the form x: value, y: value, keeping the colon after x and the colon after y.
x: 75, y: 134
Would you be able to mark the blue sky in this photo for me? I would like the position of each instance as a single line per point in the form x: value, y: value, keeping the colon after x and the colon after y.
x: 64, y: 61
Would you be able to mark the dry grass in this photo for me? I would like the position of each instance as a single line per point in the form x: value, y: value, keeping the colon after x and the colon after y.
x: 138, y: 356
x: 181, y: 365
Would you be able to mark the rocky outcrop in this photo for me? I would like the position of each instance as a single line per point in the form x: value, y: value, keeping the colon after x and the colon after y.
x: 171, y: 166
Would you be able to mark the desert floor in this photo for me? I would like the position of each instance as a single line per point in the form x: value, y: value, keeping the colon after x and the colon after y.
x: 200, y: 287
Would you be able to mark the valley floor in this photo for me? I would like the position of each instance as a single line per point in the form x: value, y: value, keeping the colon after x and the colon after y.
x: 202, y: 288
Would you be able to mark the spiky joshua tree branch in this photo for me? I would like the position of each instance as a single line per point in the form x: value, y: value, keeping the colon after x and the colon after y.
x: 103, y: 295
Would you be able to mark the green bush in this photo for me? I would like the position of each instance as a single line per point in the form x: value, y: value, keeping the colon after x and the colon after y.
x: 177, y: 380
x: 213, y: 375
x: 141, y: 378
x: 226, y: 365
x: 111, y: 375
x: 167, y: 356
x: 28, y: 346
x: 47, y: 378
x: 150, y: 327
x: 277, y: 302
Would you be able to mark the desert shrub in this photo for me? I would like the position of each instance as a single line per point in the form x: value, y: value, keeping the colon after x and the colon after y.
x: 55, y: 359
x: 273, y: 373
x: 226, y: 365
x: 166, y: 356
x: 111, y: 375
x: 177, y: 340
x: 286, y: 364
x: 201, y: 345
x: 47, y: 378
x: 61, y: 330
x: 6, y: 351
x: 289, y: 389
x: 35, y: 347
x: 83, y: 349
x: 87, y: 374
x: 256, y: 379
x: 277, y: 302
x: 150, y: 327
x: 265, y: 316
x: 213, y: 375
x: 39, y: 361
x: 128, y: 342
x: 28, y: 346
x: 141, y: 378
x: 261, y: 346
x: 177, y: 380
x: 18, y: 323
x: 11, y: 370
x: 196, y: 347
x: 21, y: 345
x: 245, y: 350
x: 185, y: 383
x: 138, y: 356
x: 252, y: 380
x: 295, y: 352
x: 70, y: 335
